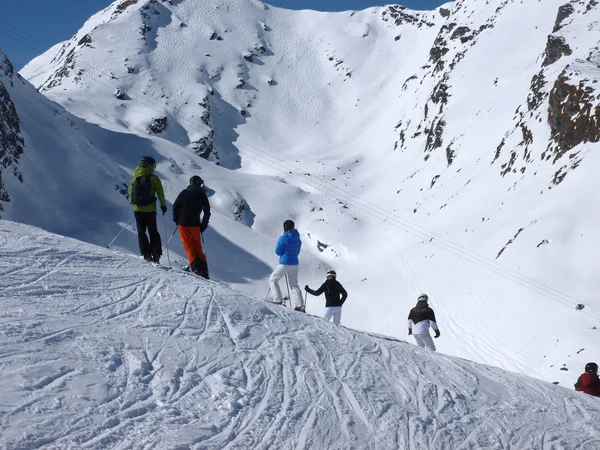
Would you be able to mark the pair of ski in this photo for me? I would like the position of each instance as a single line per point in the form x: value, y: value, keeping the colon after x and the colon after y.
x: 284, y: 304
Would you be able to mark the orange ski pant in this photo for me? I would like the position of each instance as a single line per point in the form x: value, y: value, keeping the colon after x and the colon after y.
x: 192, y: 243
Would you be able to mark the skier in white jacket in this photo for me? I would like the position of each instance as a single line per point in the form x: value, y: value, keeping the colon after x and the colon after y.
x: 420, y: 318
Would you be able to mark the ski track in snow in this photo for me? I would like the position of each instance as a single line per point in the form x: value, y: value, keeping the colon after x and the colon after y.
x: 100, y: 350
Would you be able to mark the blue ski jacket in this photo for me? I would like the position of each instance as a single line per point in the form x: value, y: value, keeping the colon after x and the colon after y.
x: 288, y: 248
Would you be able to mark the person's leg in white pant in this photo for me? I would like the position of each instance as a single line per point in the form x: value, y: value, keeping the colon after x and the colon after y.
x: 296, y: 293
x: 277, y: 274
x: 334, y: 312
x: 337, y: 314
x: 425, y: 341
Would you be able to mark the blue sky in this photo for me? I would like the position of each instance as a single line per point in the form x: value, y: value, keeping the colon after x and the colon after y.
x: 29, y: 27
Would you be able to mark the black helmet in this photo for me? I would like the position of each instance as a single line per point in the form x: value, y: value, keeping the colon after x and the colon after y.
x: 423, y: 298
x: 196, y: 181
x: 147, y: 161
x: 332, y: 273
x: 288, y: 225
x: 591, y: 367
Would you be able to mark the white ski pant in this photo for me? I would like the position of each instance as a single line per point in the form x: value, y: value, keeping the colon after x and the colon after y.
x: 335, y: 312
x: 425, y: 341
x: 292, y: 273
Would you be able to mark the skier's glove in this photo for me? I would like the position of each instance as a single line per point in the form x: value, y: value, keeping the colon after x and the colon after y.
x: 203, y: 227
x: 163, y: 208
x: 306, y: 288
x: 437, y: 333
x: 409, y: 331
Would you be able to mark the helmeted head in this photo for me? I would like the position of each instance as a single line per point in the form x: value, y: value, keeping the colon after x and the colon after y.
x: 288, y: 225
x: 196, y: 181
x: 332, y: 274
x: 147, y: 161
x: 423, y: 298
x: 591, y: 368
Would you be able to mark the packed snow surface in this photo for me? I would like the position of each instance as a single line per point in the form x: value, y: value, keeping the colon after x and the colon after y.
x: 416, y: 152
x: 102, y: 350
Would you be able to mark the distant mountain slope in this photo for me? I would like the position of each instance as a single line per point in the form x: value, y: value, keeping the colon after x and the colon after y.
x: 449, y: 151
x: 101, y: 350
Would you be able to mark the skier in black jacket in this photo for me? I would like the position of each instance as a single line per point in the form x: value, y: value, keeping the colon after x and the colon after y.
x: 335, y: 296
x: 421, y: 317
x: 188, y: 206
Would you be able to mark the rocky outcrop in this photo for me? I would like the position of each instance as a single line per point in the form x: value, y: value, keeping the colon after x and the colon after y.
x: 6, y: 69
x: 573, y: 114
x: 536, y: 94
x: 241, y: 210
x: 434, y: 135
x: 158, y: 125
x: 123, y: 6
x: 205, y: 146
x: 11, y: 140
x: 556, y: 48
x: 563, y: 13
x: 402, y: 15
x: 119, y: 94
x: 66, y: 67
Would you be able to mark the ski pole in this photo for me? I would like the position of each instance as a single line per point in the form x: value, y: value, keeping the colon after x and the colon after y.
x: 167, y: 244
x: 267, y: 296
x: 305, y: 297
x: 287, y: 282
x: 172, y: 234
x: 119, y: 234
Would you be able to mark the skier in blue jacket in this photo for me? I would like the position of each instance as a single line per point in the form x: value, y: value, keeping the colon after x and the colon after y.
x: 288, y: 249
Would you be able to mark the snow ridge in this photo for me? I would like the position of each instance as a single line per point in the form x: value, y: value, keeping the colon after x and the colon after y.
x: 101, y: 350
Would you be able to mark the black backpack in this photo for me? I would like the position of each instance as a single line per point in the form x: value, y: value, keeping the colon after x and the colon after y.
x: 142, y: 191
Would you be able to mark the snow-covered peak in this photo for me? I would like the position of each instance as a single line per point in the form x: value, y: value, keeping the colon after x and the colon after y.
x: 102, y: 350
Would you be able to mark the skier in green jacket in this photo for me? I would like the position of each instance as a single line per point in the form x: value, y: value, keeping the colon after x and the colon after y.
x: 143, y: 190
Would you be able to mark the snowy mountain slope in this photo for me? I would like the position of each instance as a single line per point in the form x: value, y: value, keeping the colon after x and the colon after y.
x: 100, y: 350
x: 381, y: 133
x: 71, y: 177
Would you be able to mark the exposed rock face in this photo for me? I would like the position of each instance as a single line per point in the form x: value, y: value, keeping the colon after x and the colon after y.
x: 241, y: 210
x: 6, y: 68
x: 573, y: 114
x: 11, y: 140
x: 205, y: 146
x: 402, y: 15
x: 556, y: 48
x: 536, y: 95
x: 434, y: 135
x: 158, y: 125
x: 119, y: 94
x: 66, y: 68
x: 563, y: 13
x: 562, y: 94
x: 123, y: 6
